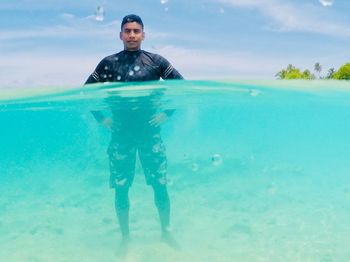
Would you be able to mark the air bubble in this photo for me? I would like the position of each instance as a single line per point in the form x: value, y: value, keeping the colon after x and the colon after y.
x: 195, y: 167
x: 99, y: 14
x: 170, y: 182
x: 162, y: 181
x: 271, y: 189
x: 254, y: 92
x: 120, y: 182
x: 164, y: 2
x: 136, y: 68
x: 156, y: 148
x: 326, y: 2
x: 216, y: 160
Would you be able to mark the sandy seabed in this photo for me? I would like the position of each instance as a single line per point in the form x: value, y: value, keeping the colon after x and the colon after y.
x: 241, y: 210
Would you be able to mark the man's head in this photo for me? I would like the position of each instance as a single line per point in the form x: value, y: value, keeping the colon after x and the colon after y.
x: 132, y: 33
x: 130, y: 19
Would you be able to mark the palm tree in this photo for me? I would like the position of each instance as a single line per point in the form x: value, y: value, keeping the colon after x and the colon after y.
x: 281, y: 74
x: 318, y: 68
x: 331, y: 73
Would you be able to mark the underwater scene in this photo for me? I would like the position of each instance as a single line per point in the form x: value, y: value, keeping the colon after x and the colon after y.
x: 255, y: 171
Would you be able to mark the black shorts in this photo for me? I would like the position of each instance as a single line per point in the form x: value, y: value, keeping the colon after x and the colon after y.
x: 122, y: 158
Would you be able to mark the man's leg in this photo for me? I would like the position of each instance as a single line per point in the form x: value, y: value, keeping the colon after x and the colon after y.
x: 122, y: 158
x: 122, y: 209
x: 153, y: 159
x: 154, y: 163
x: 162, y: 202
x: 161, y: 199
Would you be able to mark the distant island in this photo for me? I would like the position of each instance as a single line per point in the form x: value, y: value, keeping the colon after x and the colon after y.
x: 291, y: 72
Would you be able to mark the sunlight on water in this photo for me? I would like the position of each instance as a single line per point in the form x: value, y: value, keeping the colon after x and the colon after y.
x: 257, y: 171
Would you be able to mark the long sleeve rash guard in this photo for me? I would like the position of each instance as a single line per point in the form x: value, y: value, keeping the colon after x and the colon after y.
x: 132, y: 66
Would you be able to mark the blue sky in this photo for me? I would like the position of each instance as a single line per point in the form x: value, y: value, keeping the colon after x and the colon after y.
x: 60, y: 42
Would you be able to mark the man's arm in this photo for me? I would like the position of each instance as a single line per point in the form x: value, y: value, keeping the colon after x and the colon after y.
x: 168, y: 71
x: 95, y: 77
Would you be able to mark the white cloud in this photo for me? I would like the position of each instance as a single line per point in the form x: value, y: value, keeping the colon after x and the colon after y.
x: 52, y: 68
x: 39, y: 69
x: 60, y: 69
x: 73, y: 27
x: 205, y: 64
x: 293, y: 16
x: 44, y: 5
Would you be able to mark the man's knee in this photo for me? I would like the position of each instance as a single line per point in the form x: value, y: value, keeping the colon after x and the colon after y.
x: 161, y: 196
x: 122, y: 197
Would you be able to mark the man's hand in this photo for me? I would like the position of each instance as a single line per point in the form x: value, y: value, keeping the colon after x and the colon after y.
x: 107, y: 122
x: 158, y: 119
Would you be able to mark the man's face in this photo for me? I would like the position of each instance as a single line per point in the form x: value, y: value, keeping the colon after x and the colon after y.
x: 132, y: 35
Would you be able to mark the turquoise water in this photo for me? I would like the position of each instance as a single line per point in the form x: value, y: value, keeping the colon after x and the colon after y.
x: 258, y: 171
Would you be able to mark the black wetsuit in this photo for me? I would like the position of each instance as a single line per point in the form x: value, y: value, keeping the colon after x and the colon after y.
x: 131, y: 130
x: 131, y: 66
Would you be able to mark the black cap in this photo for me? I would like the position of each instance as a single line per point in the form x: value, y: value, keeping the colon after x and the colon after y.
x: 130, y: 19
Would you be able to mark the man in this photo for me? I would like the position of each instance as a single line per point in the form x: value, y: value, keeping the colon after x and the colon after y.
x: 135, y: 124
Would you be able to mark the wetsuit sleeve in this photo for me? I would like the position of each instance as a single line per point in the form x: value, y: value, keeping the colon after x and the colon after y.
x: 98, y: 115
x: 169, y: 112
x: 95, y: 77
x: 167, y: 71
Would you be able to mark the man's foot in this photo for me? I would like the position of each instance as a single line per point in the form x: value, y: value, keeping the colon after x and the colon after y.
x: 123, y: 247
x: 168, y: 239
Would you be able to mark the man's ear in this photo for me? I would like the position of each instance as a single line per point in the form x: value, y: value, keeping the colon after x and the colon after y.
x: 120, y: 36
x: 143, y: 35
